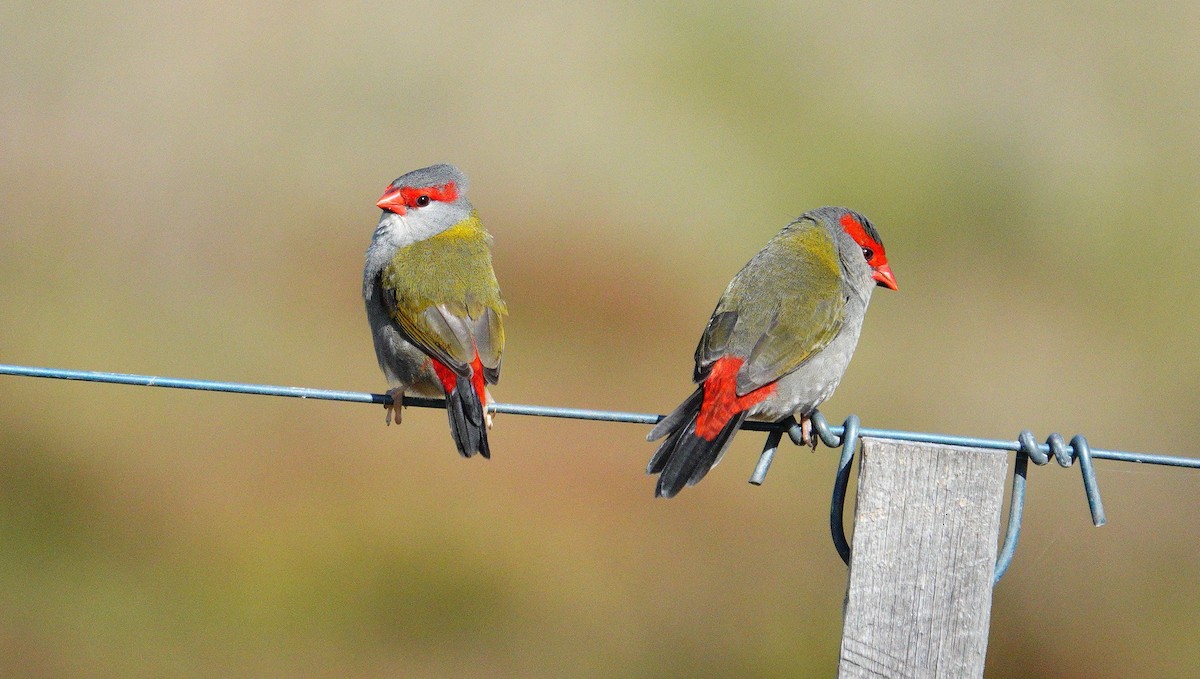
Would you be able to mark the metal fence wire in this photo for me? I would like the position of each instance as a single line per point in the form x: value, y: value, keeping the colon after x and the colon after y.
x: 846, y: 436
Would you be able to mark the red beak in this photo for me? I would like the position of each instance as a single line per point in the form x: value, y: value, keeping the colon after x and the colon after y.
x: 883, y: 276
x: 392, y: 201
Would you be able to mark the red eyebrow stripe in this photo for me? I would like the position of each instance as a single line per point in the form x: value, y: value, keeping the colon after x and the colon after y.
x: 858, y: 232
x: 447, y: 193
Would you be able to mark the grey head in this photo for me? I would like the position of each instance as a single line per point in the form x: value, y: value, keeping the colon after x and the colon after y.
x: 860, y: 248
x: 418, y: 205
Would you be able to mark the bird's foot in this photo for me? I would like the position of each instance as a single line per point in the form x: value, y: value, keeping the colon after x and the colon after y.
x: 395, y: 406
x: 806, y: 436
x: 489, y: 417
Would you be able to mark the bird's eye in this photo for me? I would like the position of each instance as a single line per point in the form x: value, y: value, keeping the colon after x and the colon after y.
x: 868, y: 253
x: 422, y: 201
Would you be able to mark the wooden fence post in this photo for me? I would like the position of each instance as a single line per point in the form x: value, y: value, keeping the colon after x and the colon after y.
x: 926, y: 526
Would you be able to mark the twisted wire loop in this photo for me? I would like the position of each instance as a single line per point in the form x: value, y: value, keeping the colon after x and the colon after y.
x: 847, y: 441
x: 1016, y: 508
x: 837, y: 504
x: 1028, y: 449
x: 1065, y: 456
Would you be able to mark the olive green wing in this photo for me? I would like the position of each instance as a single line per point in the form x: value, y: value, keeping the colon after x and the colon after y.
x: 443, y: 295
x: 781, y: 309
x: 435, y: 330
x: 489, y: 340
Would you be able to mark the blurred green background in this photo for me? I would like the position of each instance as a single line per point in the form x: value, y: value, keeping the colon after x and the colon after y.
x: 188, y: 189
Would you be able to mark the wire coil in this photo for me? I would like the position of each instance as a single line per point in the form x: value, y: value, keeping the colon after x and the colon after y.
x: 1027, y: 449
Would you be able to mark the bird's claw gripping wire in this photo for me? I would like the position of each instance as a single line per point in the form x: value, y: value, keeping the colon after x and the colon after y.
x: 394, y: 407
x: 1027, y: 449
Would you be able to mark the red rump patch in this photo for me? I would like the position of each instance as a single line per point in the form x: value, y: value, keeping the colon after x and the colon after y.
x: 721, y: 401
x: 477, y: 380
x: 449, y: 378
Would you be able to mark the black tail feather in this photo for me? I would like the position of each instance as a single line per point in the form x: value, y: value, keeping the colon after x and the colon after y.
x: 678, y: 417
x: 467, y: 420
x: 684, y: 458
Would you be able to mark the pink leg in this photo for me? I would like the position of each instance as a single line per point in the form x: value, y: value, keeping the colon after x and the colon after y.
x: 397, y: 404
x: 806, y: 436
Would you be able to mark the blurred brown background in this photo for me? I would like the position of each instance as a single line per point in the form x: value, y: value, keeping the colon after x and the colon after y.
x: 188, y: 189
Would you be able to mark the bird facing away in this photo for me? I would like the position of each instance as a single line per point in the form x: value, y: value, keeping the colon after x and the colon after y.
x: 778, y: 342
x: 433, y: 301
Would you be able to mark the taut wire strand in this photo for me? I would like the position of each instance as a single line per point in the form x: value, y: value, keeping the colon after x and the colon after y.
x: 846, y: 437
x: 833, y: 431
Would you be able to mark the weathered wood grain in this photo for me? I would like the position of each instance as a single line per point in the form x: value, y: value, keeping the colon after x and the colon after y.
x: 924, y: 548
